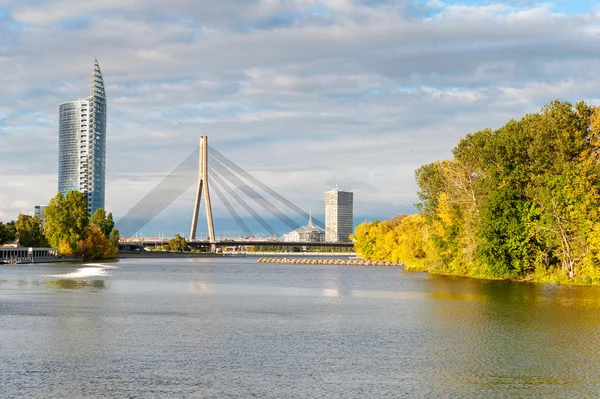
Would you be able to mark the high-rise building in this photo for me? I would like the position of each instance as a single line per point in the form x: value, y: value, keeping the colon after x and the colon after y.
x: 338, y: 215
x: 82, y: 144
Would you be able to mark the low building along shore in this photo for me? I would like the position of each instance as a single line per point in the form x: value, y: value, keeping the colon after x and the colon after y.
x: 27, y: 255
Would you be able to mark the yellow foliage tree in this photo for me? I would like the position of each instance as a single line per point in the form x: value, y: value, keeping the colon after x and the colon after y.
x: 64, y: 248
x: 96, y: 245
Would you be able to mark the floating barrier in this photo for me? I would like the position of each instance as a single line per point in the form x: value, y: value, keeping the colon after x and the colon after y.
x: 352, y: 262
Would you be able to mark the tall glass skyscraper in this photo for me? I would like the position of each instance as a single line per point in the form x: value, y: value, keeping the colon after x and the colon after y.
x: 82, y: 144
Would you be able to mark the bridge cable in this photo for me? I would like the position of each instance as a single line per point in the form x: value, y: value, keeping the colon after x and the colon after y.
x: 161, y: 196
x: 232, y: 211
x: 216, y: 177
x: 250, y: 192
x: 223, y: 159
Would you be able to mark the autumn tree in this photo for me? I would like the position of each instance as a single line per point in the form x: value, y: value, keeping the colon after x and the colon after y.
x: 69, y: 229
x: 66, y: 221
x: 519, y: 200
x: 96, y: 245
x: 105, y: 222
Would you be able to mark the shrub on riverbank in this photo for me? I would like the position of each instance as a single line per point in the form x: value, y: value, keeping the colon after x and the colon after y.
x: 518, y: 202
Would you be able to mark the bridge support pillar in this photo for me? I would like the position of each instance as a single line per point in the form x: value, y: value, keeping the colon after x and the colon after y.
x: 203, y: 185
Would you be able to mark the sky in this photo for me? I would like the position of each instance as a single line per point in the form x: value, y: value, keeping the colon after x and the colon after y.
x: 304, y: 94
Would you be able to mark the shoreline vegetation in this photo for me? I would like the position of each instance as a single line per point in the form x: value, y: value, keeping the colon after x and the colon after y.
x: 518, y: 203
x: 68, y: 228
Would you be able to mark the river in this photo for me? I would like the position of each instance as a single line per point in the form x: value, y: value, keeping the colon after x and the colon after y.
x: 234, y: 328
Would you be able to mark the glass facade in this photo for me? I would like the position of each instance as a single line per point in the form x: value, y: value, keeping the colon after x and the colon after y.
x: 40, y: 212
x: 82, y: 144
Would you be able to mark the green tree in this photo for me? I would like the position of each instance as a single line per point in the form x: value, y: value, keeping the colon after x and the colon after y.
x: 29, y: 231
x: 100, y: 219
x: 8, y: 232
x: 114, y: 238
x: 66, y: 221
x: 178, y: 244
x: 517, y: 201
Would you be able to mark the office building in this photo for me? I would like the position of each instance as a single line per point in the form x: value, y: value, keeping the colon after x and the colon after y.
x: 338, y: 215
x: 82, y: 144
x: 40, y: 212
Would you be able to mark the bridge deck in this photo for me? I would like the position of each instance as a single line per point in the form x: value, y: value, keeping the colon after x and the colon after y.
x: 236, y: 243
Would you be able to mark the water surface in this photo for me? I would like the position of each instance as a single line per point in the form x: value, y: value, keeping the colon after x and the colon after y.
x: 217, y: 328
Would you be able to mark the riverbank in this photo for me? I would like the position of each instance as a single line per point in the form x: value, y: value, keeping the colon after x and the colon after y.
x: 552, y: 276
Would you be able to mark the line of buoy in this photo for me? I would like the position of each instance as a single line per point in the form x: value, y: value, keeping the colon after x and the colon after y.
x: 303, y: 261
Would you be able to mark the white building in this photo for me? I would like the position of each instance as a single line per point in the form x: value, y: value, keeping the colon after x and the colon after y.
x: 308, y: 233
x: 26, y: 255
x: 82, y: 144
x: 338, y: 215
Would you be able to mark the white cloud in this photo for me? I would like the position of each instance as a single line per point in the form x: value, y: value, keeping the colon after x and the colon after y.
x: 302, y: 92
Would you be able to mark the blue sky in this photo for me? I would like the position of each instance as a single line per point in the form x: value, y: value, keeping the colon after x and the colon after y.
x: 562, y: 6
x: 302, y: 93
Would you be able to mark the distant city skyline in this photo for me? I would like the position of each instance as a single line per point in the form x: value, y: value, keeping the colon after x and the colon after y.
x: 301, y: 94
x: 82, y: 144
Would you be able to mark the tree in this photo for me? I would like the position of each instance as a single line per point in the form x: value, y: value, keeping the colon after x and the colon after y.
x: 365, y: 240
x: 96, y: 245
x: 178, y: 244
x: 69, y: 229
x: 105, y: 223
x: 66, y: 221
x: 111, y: 235
x: 517, y: 201
x: 431, y: 182
x: 8, y: 232
x: 114, y: 238
x: 29, y: 231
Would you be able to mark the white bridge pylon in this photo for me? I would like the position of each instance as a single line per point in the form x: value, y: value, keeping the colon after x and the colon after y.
x: 230, y: 181
x: 203, y: 185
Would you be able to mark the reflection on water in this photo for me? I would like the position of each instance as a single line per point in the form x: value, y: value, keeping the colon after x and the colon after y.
x: 234, y: 328
x: 202, y: 287
x: 240, y: 289
x: 70, y: 284
x: 90, y: 270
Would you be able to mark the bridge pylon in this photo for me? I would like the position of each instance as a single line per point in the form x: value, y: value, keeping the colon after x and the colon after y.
x: 203, y: 185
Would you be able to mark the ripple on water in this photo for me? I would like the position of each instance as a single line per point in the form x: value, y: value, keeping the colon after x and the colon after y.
x: 222, y: 328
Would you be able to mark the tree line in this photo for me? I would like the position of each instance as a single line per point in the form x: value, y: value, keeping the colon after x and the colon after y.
x: 68, y: 228
x: 520, y: 202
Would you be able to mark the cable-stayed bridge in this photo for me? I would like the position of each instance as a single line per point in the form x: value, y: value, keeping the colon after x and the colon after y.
x: 230, y: 183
